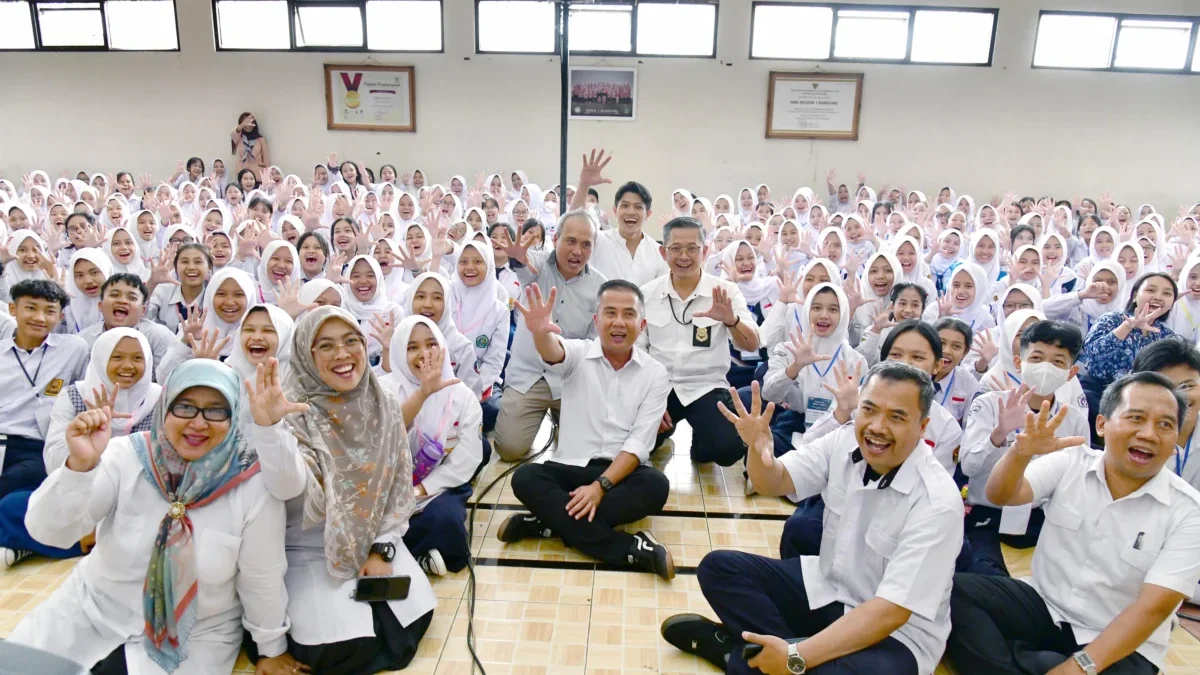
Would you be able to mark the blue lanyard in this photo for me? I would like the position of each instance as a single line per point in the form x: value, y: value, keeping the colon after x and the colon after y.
x: 32, y: 380
x: 949, y: 387
x: 831, y: 362
x: 1013, y: 378
x: 1187, y: 451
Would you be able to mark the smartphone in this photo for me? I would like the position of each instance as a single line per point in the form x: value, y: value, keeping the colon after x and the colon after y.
x: 751, y: 650
x: 376, y: 589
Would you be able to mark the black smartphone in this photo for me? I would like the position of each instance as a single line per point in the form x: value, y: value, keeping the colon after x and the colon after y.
x: 751, y: 650
x: 377, y: 589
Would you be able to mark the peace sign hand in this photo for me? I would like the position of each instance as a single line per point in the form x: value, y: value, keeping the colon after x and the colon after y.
x: 209, y: 345
x: 753, y: 425
x: 268, y: 405
x: 1038, y: 436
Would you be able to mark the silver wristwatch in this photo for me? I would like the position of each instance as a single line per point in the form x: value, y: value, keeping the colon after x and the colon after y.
x: 1082, y: 660
x: 796, y: 665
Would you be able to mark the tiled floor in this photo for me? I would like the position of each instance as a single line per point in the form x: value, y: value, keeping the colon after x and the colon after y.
x: 565, y: 616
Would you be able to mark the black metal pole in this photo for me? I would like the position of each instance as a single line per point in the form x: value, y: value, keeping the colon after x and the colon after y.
x: 564, y: 104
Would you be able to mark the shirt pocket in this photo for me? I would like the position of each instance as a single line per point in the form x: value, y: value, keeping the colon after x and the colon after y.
x: 1061, y: 516
x: 882, y: 543
x: 216, y: 556
x: 1140, y: 561
x: 658, y: 315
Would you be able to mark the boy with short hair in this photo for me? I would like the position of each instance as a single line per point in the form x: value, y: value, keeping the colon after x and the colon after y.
x: 123, y: 298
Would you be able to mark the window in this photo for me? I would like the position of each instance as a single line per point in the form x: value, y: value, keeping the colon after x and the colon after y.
x: 1116, y: 41
x: 836, y: 32
x: 329, y: 25
x: 89, y: 25
x: 633, y: 27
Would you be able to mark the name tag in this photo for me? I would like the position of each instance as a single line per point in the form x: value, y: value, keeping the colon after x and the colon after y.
x: 54, y: 387
x: 701, y: 336
x: 818, y: 405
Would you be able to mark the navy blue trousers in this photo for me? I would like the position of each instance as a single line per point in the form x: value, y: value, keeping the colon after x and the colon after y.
x: 714, y: 438
x: 767, y: 596
x: 24, y: 470
x: 983, y: 531
x: 442, y: 524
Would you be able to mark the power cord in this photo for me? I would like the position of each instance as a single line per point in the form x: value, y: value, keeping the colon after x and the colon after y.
x: 471, y: 535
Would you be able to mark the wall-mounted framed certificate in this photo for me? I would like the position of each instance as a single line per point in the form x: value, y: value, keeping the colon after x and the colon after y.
x: 370, y: 98
x: 814, y: 105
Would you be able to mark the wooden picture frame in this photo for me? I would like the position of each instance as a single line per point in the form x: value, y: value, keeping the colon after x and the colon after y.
x: 814, y: 105
x: 370, y: 98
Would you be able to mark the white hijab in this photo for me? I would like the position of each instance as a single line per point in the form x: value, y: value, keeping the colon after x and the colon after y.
x: 760, y: 288
x: 284, y: 325
x: 83, y: 310
x: 992, y: 268
x: 212, y: 320
x: 477, y: 308
x: 975, y: 315
x: 434, y: 418
x: 140, y: 399
x: 13, y: 273
x: 137, y: 265
x: 378, y: 303
x: 266, y: 285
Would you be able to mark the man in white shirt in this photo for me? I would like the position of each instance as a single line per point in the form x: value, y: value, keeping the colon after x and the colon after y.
x: 691, y: 318
x: 1046, y: 362
x: 877, y: 599
x: 613, y: 396
x: 1121, y: 548
x: 626, y: 252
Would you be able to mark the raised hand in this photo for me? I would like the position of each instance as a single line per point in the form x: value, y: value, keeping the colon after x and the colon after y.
x: 753, y: 425
x: 87, y: 437
x: 316, y: 208
x: 946, y: 307
x: 1038, y: 436
x: 861, y: 176
x: 830, y: 176
x: 102, y: 398
x: 161, y: 272
x: 519, y: 250
x: 268, y: 405
x: 287, y: 297
x: 382, y: 329
x: 802, y: 350
x: 593, y: 168
x: 538, y: 313
x: 854, y: 298
x: 986, y: 347
x: 431, y: 372
x: 789, y: 286
x: 883, y: 318
x: 845, y: 389
x: 1143, y: 319
x: 721, y: 309
x: 209, y: 344
x: 1012, y: 408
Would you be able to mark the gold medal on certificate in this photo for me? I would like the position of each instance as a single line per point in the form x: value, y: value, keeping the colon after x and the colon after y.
x: 352, y: 98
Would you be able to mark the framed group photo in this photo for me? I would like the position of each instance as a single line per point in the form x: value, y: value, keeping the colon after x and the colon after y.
x: 603, y: 94
x: 370, y: 98
x: 814, y: 105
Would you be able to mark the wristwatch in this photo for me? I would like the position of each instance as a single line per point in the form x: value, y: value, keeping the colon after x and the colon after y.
x: 605, y: 483
x: 1084, y: 662
x: 385, y: 551
x: 795, y: 662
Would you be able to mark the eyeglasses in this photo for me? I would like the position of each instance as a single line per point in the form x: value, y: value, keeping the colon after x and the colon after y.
x: 188, y: 412
x: 692, y: 250
x: 329, y: 347
x: 1012, y: 307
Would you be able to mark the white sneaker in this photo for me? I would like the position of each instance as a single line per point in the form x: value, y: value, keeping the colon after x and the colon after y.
x: 12, y: 556
x: 432, y: 563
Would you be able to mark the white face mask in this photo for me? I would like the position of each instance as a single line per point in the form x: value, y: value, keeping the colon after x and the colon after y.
x: 1044, y: 378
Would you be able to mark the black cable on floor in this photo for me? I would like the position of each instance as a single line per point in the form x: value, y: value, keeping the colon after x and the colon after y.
x: 471, y: 535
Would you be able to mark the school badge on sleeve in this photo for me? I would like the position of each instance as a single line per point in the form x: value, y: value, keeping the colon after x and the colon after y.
x: 54, y: 387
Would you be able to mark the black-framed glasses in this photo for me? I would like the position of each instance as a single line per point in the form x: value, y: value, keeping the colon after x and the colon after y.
x: 187, y: 412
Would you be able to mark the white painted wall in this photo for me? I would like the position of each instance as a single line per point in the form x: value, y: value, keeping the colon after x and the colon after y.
x: 700, y: 122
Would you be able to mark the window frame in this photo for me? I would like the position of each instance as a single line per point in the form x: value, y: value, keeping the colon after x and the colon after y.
x: 107, y: 47
x: 1112, y: 55
x: 858, y: 7
x: 633, y: 31
x: 293, y: 15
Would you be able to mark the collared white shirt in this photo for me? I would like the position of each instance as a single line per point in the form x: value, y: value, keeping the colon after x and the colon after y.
x: 607, y: 411
x: 164, y: 305
x: 942, y: 435
x: 611, y: 256
x: 1094, y: 554
x: 672, y: 326
x: 24, y: 407
x: 957, y: 391
x: 896, y: 539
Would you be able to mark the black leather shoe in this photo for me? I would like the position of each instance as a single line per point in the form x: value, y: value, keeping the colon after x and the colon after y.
x: 694, y: 634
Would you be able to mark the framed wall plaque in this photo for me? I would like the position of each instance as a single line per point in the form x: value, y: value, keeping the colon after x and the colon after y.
x: 814, y: 105
x: 370, y: 98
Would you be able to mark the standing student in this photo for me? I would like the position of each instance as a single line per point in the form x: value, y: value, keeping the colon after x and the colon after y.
x: 691, y: 319
x: 613, y: 398
x: 249, y: 145
x: 877, y: 598
x: 1121, y: 551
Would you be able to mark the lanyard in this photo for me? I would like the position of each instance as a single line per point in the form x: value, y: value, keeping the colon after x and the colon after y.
x: 1013, y: 378
x: 831, y: 362
x: 671, y: 304
x: 949, y: 387
x: 32, y: 380
x: 1179, y: 465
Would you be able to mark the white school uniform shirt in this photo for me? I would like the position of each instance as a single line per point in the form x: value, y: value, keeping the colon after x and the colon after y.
x: 943, y: 435
x: 25, y: 408
x: 611, y: 256
x: 896, y: 539
x: 606, y: 411
x: 160, y: 338
x: 694, y: 371
x: 956, y: 391
x: 239, y: 564
x: 1094, y: 554
x: 163, y: 306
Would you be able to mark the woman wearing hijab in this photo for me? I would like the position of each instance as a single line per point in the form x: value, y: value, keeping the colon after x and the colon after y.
x: 249, y: 145
x: 349, y: 496
x: 883, y: 272
x: 29, y: 259
x: 189, y: 543
x: 226, y: 299
x: 1117, y: 337
x: 445, y: 440
x: 967, y: 299
x: 430, y: 295
x: 278, y: 264
x: 1101, y: 294
x: 1185, y: 320
x: 480, y: 312
x: 87, y: 270
x: 914, y: 270
x: 741, y: 265
x: 264, y: 334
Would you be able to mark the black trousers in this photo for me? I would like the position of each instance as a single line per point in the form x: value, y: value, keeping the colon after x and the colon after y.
x: 545, y: 490
x: 392, y: 647
x: 24, y: 467
x: 714, y: 439
x: 767, y: 596
x: 983, y: 531
x: 1000, y: 626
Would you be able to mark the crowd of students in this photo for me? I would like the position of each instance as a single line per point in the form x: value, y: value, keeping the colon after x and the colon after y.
x: 241, y: 394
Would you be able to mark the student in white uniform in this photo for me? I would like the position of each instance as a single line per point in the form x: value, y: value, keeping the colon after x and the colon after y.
x: 345, y: 520
x: 480, y: 314
x: 1121, y: 551
x: 189, y: 543
x: 227, y: 297
x: 614, y: 396
x: 1045, y: 363
x: 877, y: 599
x: 444, y: 435
x: 956, y: 386
x: 626, y: 251
x: 171, y: 302
x: 122, y: 303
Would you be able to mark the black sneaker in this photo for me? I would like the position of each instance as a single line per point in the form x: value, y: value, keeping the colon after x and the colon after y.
x: 694, y: 634
x: 523, y: 526
x: 649, y: 555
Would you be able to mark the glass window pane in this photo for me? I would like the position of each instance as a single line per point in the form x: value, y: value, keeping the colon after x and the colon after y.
x: 952, y: 37
x: 318, y: 26
x: 1196, y: 58
x: 601, y: 28
x: 422, y: 21
x: 516, y: 26
x: 871, y: 35
x: 679, y: 30
x: 782, y: 32
x: 1153, y: 44
x: 18, y: 26
x: 141, y: 24
x: 70, y: 24
x: 253, y: 24
x: 1074, y: 41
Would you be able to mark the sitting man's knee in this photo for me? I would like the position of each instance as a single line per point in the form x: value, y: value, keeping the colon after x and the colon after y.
x: 716, y: 566
x: 523, y: 480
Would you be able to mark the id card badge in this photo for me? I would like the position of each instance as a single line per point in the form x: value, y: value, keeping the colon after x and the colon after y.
x: 1015, y: 519
x: 701, y: 336
x: 815, y: 407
